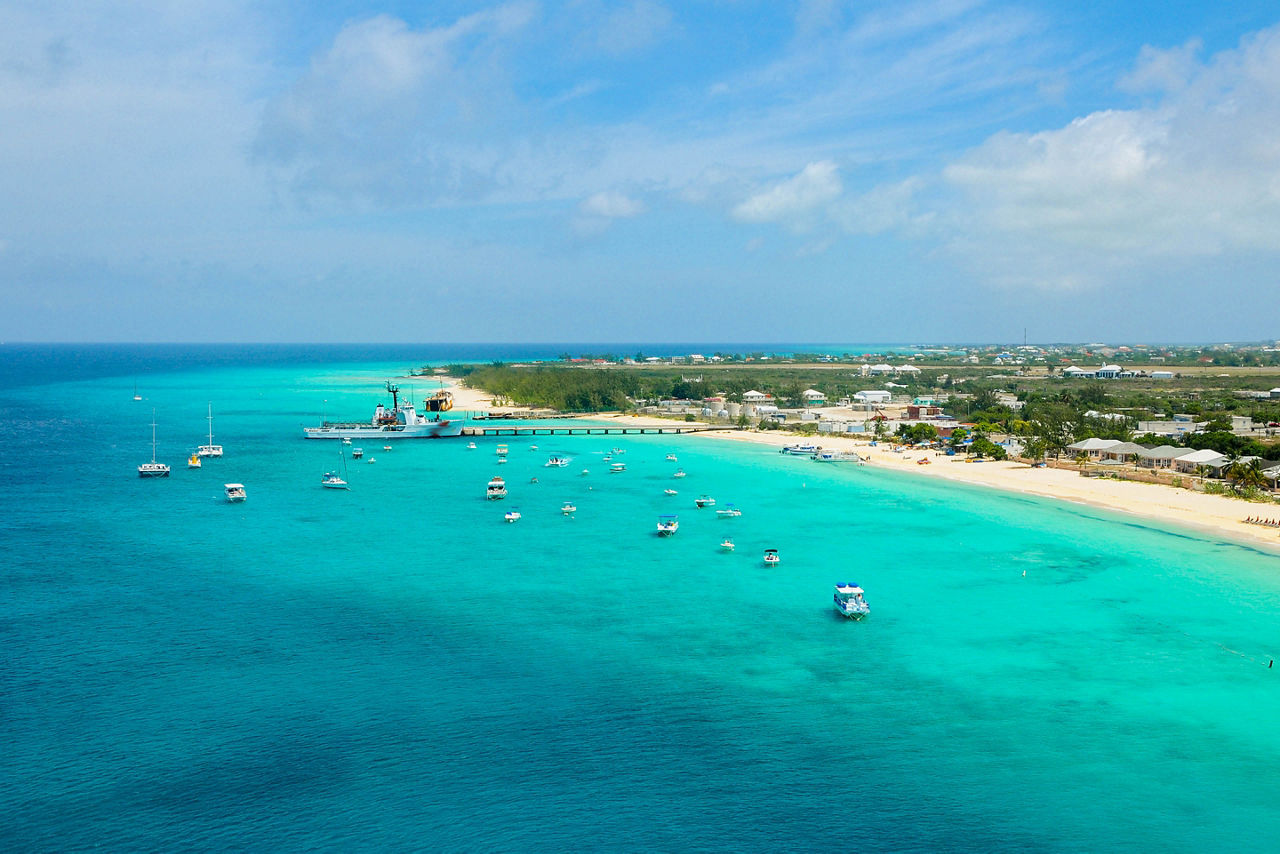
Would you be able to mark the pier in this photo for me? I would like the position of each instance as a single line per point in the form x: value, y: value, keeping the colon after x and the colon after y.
x: 589, y: 431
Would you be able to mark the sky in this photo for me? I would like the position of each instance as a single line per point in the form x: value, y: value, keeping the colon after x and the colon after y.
x: 640, y: 170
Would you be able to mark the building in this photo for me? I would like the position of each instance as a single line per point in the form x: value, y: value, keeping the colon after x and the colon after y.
x: 872, y: 396
x: 1093, y: 448
x: 754, y: 396
x: 813, y: 397
x: 1208, y: 458
x: 1162, y: 457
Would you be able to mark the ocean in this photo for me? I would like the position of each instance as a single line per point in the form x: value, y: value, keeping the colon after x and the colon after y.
x: 394, y: 667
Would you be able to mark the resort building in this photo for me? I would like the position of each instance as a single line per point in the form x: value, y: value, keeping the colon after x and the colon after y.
x: 1095, y: 447
x: 1162, y: 457
x: 1208, y: 458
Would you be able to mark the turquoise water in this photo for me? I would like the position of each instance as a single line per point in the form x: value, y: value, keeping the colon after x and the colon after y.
x: 396, y: 667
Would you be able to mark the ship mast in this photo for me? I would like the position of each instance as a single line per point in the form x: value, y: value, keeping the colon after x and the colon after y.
x: 395, y: 399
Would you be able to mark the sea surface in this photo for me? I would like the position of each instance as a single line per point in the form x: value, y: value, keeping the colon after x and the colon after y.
x: 395, y: 667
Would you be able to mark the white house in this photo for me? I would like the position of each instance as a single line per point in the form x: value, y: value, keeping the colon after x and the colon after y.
x: 1093, y: 447
x: 1162, y: 457
x: 1209, y: 458
x: 881, y: 369
x: 813, y: 397
x: 754, y: 396
x: 908, y: 369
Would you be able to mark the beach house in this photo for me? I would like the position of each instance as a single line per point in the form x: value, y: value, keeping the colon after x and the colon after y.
x: 1094, y: 448
x: 813, y: 397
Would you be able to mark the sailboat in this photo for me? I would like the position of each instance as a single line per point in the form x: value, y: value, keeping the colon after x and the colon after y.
x: 210, y: 450
x: 153, y: 468
x: 331, y: 480
x: 136, y: 396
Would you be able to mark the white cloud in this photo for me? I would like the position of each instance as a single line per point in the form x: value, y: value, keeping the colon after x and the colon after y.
x: 817, y: 184
x: 611, y: 205
x: 1194, y: 175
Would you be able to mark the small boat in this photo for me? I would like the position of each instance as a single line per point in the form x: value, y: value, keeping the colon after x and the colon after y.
x: 771, y: 557
x: 512, y: 516
x: 568, y: 508
x: 357, y: 453
x: 386, y: 447
x: 614, y: 468
x: 471, y: 446
x: 153, y: 468
x: 533, y: 480
x: 136, y: 396
x: 726, y: 544
x: 193, y: 461
x: 502, y: 461
x: 837, y: 457
x: 533, y: 447
x: 618, y: 451
x: 557, y: 462
x: 800, y: 450
x: 669, y: 492
x: 346, y: 440
x: 210, y: 450
x: 671, y: 458
x: 332, y: 481
x: 728, y: 512
x: 586, y: 471
x: 497, y: 488
x: 704, y: 501
x: 850, y: 602
x: 372, y: 460
x: 607, y: 457
x: 234, y: 491
x: 668, y: 525
x: 501, y: 450
x: 679, y: 473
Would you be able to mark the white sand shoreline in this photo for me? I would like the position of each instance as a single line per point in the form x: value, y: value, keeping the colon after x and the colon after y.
x: 1213, y: 516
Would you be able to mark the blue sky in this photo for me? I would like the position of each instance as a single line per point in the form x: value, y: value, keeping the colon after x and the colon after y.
x: 940, y: 170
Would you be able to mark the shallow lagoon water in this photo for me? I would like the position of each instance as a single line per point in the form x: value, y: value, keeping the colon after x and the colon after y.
x: 394, y: 666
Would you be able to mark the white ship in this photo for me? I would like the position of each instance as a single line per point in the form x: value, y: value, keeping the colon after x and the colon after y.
x: 401, y: 421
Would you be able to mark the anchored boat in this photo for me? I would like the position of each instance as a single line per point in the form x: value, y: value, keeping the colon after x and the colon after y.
x: 850, y: 602
x: 401, y: 421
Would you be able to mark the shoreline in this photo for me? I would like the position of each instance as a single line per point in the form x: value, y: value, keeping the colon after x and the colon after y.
x: 1216, y: 516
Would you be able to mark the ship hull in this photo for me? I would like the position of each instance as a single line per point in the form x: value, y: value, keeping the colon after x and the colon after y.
x: 430, y: 430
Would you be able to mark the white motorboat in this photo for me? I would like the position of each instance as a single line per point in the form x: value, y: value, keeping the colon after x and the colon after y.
x: 193, y: 461
x: 679, y: 473
x: 401, y: 421
x: 668, y: 524
x: 234, y: 491
x: 669, y: 492
x: 386, y: 447
x: 331, y: 480
x: 837, y: 457
x: 568, y: 508
x: 533, y: 447
x: 671, y: 458
x: 471, y: 446
x: 502, y: 461
x: 512, y: 516
x: 497, y: 488
x: 210, y: 450
x: 726, y: 544
x: 357, y: 453
x: 586, y: 471
x: 771, y: 557
x: 800, y: 450
x: 614, y: 468
x: 728, y: 512
x: 556, y: 461
x: 618, y: 451
x: 153, y: 468
x: 850, y: 602
x: 347, y: 440
x: 704, y: 501
x: 501, y: 450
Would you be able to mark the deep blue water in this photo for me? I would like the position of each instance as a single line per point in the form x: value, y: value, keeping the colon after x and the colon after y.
x: 395, y: 667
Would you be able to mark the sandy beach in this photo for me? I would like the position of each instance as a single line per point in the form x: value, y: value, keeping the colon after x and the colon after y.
x: 1212, y: 515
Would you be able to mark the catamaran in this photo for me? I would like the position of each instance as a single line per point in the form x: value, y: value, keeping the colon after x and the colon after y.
x: 153, y: 468
x: 210, y: 450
